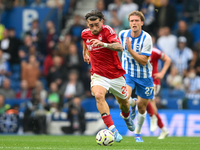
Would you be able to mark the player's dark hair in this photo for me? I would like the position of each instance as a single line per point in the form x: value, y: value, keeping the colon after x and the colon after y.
x: 94, y: 15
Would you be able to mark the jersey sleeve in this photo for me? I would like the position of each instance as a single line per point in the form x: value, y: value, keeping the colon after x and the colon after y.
x: 82, y: 34
x: 120, y: 35
x: 159, y: 54
x: 147, y: 46
x: 111, y: 35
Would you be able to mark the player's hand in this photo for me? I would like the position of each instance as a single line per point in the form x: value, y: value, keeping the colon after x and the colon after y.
x: 86, y: 59
x: 128, y: 44
x: 96, y: 42
x: 158, y: 75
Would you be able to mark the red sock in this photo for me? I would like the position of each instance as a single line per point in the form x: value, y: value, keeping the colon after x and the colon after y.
x: 107, y: 120
x: 150, y: 109
x: 125, y: 114
x: 160, y: 123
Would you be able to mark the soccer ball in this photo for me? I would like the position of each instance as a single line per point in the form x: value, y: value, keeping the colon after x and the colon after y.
x: 105, y: 137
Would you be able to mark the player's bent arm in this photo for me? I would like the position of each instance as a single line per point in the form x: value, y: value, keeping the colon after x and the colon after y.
x: 142, y: 59
x: 167, y: 62
x: 114, y: 46
x: 86, y: 57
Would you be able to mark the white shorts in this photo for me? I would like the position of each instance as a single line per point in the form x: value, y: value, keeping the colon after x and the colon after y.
x: 116, y: 86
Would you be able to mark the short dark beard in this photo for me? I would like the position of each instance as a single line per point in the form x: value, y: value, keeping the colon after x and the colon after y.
x: 97, y: 33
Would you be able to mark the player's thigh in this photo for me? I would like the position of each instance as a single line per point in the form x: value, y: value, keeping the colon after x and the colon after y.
x: 118, y: 87
x: 142, y: 104
x: 99, y: 91
x: 99, y: 86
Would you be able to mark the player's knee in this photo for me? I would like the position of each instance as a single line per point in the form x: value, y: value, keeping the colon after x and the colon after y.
x: 141, y: 108
x: 99, y: 96
x: 142, y: 111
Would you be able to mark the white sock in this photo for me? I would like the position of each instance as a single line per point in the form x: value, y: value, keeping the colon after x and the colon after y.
x: 132, y: 102
x: 111, y: 127
x: 164, y: 129
x: 140, y: 121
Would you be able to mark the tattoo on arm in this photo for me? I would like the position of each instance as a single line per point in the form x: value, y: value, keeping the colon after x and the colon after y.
x: 115, y: 47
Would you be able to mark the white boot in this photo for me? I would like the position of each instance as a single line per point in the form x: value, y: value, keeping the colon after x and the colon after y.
x: 164, y: 133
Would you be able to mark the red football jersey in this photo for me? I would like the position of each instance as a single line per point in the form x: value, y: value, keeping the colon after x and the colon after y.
x: 104, y: 62
x: 155, y: 56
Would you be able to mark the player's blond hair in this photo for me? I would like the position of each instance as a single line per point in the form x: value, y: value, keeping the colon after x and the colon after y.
x: 136, y: 13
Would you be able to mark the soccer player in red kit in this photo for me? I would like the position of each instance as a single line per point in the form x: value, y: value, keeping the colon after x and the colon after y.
x: 102, y: 43
x: 151, y: 107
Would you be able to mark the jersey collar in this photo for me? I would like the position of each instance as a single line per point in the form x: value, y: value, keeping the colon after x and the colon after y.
x: 129, y: 34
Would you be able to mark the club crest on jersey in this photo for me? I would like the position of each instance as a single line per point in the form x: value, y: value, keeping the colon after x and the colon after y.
x: 88, y: 41
x: 100, y: 37
x: 137, y: 48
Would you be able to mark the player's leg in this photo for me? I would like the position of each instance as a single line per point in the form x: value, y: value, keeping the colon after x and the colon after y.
x: 119, y: 90
x: 145, y: 91
x: 99, y: 93
x: 125, y: 111
x: 152, y: 111
x: 132, y: 102
x: 130, y: 85
x: 164, y: 132
x: 99, y: 88
x: 142, y: 104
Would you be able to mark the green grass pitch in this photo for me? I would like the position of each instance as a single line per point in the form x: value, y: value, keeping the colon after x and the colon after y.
x: 45, y: 142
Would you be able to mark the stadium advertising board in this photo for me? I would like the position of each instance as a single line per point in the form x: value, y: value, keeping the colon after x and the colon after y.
x: 178, y: 122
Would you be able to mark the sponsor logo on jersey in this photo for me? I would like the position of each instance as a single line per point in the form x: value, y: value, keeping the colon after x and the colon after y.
x: 137, y: 48
x: 89, y: 47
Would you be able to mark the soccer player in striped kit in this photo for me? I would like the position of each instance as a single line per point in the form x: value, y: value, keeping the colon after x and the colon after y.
x: 137, y: 48
x: 102, y: 43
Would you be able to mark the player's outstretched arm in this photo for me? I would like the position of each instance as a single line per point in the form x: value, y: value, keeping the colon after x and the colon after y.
x: 142, y: 59
x: 86, y: 58
x: 112, y: 46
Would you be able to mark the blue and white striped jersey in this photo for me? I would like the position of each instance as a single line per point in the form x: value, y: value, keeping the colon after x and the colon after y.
x: 180, y: 58
x: 194, y: 85
x: 143, y: 46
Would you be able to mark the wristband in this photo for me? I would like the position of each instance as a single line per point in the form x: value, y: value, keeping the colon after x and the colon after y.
x: 105, y: 45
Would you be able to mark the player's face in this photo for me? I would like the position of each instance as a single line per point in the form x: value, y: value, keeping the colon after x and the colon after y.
x: 135, y: 23
x: 95, y: 26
